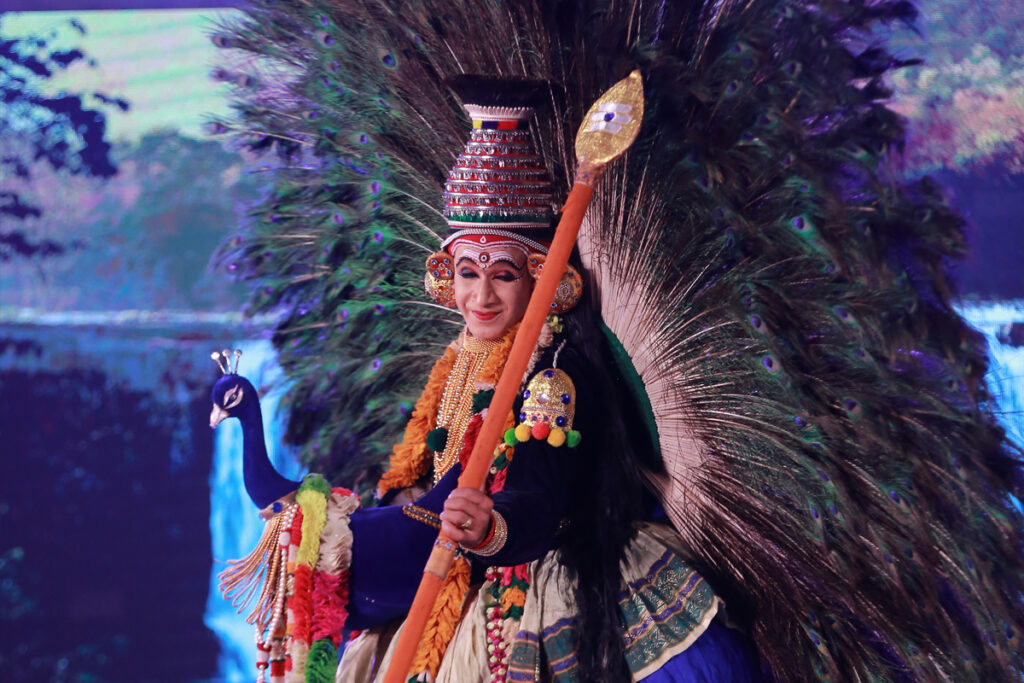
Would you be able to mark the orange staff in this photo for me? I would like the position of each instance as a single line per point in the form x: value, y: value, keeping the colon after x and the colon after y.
x: 610, y: 127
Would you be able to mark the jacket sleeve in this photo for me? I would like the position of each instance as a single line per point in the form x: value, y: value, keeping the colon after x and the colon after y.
x: 389, y: 550
x: 540, y: 485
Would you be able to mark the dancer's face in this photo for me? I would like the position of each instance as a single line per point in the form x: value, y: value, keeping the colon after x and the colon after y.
x: 492, y: 288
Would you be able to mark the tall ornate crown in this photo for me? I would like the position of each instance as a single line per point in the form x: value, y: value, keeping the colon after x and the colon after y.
x: 499, y: 185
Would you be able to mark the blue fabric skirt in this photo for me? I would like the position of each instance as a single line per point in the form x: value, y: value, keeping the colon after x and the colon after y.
x: 720, y: 655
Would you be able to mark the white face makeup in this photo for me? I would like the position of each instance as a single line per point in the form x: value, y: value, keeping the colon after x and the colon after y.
x: 483, y: 255
x: 492, y: 287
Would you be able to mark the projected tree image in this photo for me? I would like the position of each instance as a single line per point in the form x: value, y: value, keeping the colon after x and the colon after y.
x: 60, y: 130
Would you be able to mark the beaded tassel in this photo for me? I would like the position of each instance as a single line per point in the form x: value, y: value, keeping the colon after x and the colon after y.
x: 257, y: 570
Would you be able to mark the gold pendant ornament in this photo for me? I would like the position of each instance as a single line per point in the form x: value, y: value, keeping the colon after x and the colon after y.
x: 549, y: 406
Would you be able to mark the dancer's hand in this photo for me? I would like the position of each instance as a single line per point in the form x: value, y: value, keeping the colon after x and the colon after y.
x: 466, y: 517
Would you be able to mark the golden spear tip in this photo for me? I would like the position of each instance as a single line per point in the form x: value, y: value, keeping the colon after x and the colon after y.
x: 612, y: 123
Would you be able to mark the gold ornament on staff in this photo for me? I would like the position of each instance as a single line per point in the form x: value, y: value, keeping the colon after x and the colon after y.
x: 612, y: 123
x: 609, y: 128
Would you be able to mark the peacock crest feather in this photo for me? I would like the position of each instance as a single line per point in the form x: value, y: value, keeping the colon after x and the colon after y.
x: 832, y: 463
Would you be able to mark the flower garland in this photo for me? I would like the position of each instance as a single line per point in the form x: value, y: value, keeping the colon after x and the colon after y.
x: 504, y: 599
x: 444, y: 617
x: 447, y: 611
x: 305, y: 583
x: 320, y: 554
x: 411, y: 458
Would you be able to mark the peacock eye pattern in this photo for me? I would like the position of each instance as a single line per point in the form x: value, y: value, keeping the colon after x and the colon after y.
x: 233, y: 396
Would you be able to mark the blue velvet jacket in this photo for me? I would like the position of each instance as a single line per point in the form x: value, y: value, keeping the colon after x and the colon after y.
x: 390, y: 549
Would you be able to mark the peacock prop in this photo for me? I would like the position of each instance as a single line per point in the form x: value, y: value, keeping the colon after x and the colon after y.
x: 784, y: 300
x: 378, y: 578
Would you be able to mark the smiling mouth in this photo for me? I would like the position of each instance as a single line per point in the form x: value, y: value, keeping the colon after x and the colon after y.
x: 484, y: 316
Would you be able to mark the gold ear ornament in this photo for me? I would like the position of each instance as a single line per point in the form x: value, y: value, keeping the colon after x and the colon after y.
x: 440, y: 278
x: 549, y: 406
x: 570, y: 287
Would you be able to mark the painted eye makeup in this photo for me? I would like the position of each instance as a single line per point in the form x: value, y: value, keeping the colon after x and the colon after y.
x: 507, y: 276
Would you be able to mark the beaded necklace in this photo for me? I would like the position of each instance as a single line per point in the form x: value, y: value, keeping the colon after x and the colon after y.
x: 447, y: 396
x: 455, y: 408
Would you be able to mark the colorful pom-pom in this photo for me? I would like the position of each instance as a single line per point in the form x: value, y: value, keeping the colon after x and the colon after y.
x: 437, y: 439
x: 522, y: 432
x: 510, y: 437
x: 540, y: 430
x: 572, y: 438
x: 557, y: 437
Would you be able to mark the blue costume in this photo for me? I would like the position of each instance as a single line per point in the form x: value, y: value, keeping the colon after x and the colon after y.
x: 666, y: 608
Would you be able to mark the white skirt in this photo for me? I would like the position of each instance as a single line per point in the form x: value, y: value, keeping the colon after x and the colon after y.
x: 665, y: 605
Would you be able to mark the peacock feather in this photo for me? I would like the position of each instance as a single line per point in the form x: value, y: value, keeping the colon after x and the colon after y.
x: 832, y: 462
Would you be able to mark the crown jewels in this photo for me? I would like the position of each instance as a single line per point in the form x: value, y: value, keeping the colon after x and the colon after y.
x: 223, y: 359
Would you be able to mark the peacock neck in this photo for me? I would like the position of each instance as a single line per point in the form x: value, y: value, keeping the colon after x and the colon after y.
x: 263, y: 482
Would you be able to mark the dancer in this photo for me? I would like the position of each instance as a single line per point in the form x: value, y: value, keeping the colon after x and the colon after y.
x: 563, y: 542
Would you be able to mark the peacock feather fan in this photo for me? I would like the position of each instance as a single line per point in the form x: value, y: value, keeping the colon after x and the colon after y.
x: 831, y: 460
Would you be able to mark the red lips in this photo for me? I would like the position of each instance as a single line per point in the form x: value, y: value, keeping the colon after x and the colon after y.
x: 484, y: 316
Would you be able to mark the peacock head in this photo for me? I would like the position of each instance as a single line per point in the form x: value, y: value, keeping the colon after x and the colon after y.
x: 231, y: 391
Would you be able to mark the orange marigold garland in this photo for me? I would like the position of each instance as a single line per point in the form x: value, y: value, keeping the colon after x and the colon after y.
x: 411, y: 458
x: 440, y: 628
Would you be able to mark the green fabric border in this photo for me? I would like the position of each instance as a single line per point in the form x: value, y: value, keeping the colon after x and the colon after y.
x: 635, y: 384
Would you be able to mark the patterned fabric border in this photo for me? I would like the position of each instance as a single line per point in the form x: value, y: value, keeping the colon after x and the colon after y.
x: 524, y: 661
x: 423, y: 515
x: 664, y: 611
